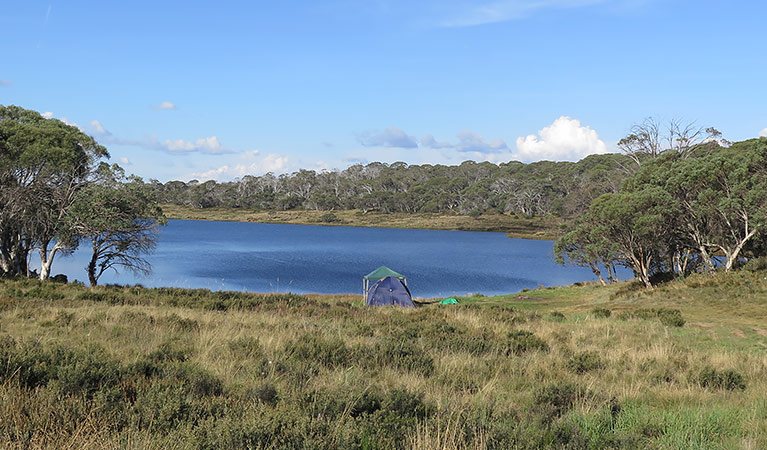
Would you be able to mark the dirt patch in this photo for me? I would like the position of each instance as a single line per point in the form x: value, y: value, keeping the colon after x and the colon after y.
x: 760, y: 331
x: 703, y: 324
x: 738, y: 332
x: 526, y: 297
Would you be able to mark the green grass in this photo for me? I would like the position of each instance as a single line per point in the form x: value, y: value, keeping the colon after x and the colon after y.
x: 549, y: 368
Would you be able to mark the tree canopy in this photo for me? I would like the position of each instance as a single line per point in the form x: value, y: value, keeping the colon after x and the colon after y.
x: 48, y: 171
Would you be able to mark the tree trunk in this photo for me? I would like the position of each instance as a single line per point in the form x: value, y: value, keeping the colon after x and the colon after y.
x: 46, y: 260
x: 732, y: 255
x: 708, y: 264
x: 598, y: 273
x: 92, y: 278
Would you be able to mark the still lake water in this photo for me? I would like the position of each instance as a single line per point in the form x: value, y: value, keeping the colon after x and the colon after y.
x: 315, y: 259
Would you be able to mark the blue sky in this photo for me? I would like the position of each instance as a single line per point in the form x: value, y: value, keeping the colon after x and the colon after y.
x: 218, y: 90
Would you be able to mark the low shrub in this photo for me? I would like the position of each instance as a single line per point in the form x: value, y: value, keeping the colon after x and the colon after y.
x: 246, y: 348
x: 315, y: 349
x: 178, y: 323
x: 756, y: 264
x: 521, y: 341
x: 554, y: 400
x: 668, y: 317
x: 583, y: 362
x: 329, y: 218
x: 402, y: 355
x: 266, y: 393
x: 730, y: 380
x: 601, y: 313
x: 557, y: 316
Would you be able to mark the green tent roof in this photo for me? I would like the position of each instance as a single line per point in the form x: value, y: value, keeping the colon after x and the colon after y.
x: 381, y: 273
x: 449, y: 301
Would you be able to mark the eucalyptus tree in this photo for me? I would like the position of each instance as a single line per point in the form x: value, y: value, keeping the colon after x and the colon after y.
x: 584, y: 245
x: 44, y: 163
x: 636, y: 227
x: 119, y: 218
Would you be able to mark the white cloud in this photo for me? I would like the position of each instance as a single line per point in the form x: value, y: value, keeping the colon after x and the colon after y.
x: 165, y: 106
x: 125, y: 161
x: 69, y: 122
x: 272, y: 162
x: 47, y: 114
x: 6, y: 83
x: 391, y: 137
x: 96, y: 127
x: 468, y: 142
x: 563, y: 140
x: 203, y: 145
x: 763, y: 133
x: 428, y: 141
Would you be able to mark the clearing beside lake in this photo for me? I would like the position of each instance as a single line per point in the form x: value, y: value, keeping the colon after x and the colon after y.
x: 514, y: 226
x: 683, y: 366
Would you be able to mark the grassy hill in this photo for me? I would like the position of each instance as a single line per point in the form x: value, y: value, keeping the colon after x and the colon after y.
x: 584, y: 366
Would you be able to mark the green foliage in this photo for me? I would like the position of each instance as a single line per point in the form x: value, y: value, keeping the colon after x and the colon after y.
x: 601, y: 313
x: 668, y: 316
x: 554, y: 400
x: 521, y: 341
x: 583, y: 362
x: 329, y: 218
x: 730, y: 380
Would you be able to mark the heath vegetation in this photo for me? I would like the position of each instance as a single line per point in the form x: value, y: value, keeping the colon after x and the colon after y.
x: 586, y: 366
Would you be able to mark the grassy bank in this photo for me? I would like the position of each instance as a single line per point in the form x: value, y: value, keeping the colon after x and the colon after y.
x: 575, y: 367
x: 535, y: 228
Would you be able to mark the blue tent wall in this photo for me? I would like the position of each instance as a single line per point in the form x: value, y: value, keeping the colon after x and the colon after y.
x: 389, y: 291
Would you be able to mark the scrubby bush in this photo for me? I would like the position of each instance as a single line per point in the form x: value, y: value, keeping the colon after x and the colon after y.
x: 521, y: 341
x: 583, y: 362
x: 730, y: 380
x: 756, y: 264
x: 554, y: 400
x: 670, y: 317
x: 329, y: 218
x: 557, y: 316
x: 403, y: 355
x: 601, y: 313
x: 315, y: 349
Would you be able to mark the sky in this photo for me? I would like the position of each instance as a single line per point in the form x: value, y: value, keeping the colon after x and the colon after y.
x: 218, y: 90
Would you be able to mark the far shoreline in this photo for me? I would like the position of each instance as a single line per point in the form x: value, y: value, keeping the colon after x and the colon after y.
x: 539, y: 228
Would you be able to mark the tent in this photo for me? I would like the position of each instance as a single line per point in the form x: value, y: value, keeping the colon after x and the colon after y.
x: 389, y: 291
x: 379, y: 274
x: 449, y: 301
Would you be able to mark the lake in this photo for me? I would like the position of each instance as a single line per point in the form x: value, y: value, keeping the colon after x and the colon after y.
x: 260, y: 257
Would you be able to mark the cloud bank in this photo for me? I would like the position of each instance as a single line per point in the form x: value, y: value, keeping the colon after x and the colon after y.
x: 249, y: 164
x: 391, y: 137
x: 164, y: 106
x: 564, y: 140
x: 468, y: 141
x: 763, y: 133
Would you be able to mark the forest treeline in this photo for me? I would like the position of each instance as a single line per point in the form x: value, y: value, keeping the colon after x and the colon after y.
x: 537, y: 189
x: 666, y: 206
x: 695, y: 209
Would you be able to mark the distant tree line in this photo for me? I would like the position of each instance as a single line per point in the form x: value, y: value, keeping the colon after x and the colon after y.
x: 57, y: 191
x: 537, y: 189
x: 686, y: 209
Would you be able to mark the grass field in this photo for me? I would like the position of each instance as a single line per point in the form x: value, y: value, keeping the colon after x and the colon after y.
x: 575, y: 367
x: 519, y: 227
